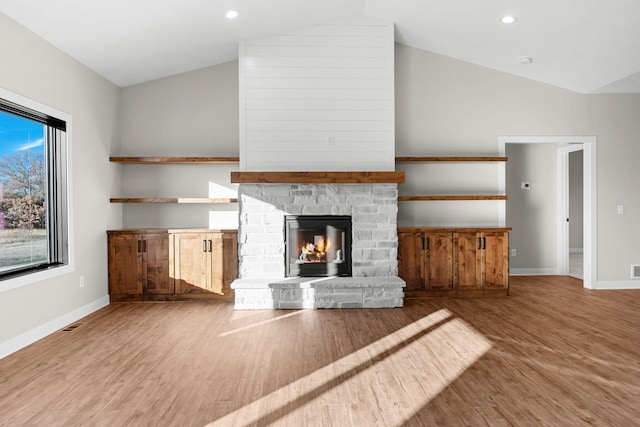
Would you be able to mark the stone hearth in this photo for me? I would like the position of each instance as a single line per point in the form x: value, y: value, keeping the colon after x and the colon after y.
x: 262, y: 284
x: 319, y: 292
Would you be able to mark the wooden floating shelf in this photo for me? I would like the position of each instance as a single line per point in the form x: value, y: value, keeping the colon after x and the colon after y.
x: 220, y: 160
x: 173, y: 160
x: 427, y: 198
x: 185, y: 200
x: 449, y: 159
x: 317, y: 177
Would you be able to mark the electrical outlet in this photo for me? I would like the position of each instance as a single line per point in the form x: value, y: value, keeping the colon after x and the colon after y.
x: 513, y: 252
x: 82, y: 281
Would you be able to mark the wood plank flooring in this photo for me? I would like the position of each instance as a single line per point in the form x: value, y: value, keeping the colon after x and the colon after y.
x: 551, y: 354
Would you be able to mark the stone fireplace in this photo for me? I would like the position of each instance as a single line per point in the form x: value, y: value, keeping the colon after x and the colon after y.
x: 263, y: 281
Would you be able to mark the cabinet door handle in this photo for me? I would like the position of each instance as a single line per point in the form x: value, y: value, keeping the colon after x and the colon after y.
x: 428, y: 243
x: 484, y: 243
x: 144, y: 246
x: 479, y: 242
x: 425, y: 243
x: 204, y: 246
x: 209, y: 245
x: 139, y: 246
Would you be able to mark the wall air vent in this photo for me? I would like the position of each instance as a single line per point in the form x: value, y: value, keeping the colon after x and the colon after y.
x: 635, y: 271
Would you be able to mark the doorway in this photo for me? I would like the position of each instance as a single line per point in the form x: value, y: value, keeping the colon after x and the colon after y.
x: 586, y: 144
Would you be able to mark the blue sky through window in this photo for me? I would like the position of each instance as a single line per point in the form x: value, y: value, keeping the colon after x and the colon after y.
x: 19, y: 134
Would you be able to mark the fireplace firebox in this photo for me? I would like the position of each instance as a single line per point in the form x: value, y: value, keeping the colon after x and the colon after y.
x: 317, y: 245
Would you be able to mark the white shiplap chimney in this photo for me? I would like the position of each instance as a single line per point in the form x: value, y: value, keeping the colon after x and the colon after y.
x: 319, y: 98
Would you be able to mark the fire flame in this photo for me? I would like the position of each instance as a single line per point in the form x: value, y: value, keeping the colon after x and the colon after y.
x: 316, y: 252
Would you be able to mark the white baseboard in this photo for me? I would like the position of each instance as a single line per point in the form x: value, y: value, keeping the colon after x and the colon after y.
x: 576, y: 250
x: 618, y: 284
x: 14, y: 344
x: 533, y: 271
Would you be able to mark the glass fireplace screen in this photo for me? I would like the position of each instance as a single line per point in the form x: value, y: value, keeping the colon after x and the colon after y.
x: 317, y: 245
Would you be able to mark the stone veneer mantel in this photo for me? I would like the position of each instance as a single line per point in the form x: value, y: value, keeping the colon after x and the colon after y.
x: 317, y: 177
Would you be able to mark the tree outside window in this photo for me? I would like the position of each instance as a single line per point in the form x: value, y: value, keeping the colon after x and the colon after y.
x: 23, y: 192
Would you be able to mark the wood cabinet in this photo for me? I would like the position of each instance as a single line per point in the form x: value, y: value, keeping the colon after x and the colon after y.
x: 481, y: 260
x: 204, y: 262
x: 139, y: 264
x: 425, y: 260
x: 495, y: 261
x: 456, y: 262
x: 165, y: 265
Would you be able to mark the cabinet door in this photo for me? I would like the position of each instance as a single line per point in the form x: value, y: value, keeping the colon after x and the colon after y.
x: 468, y: 260
x: 215, y: 246
x: 438, y: 261
x: 155, y: 264
x: 411, y: 260
x: 125, y: 264
x: 192, y: 264
x: 229, y: 261
x: 223, y: 253
x: 495, y: 260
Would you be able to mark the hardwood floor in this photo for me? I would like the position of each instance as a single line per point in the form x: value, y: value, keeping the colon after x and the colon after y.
x: 551, y: 354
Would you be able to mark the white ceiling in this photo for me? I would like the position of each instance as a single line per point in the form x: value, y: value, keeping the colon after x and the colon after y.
x: 588, y: 46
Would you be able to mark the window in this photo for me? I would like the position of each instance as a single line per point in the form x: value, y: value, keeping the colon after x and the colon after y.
x: 34, y: 223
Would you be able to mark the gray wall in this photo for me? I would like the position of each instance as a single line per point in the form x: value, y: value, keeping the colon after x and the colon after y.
x: 190, y: 114
x: 446, y: 107
x: 614, y: 119
x: 35, y: 69
x: 532, y: 213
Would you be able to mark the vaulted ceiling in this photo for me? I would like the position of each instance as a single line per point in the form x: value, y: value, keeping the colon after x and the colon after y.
x: 588, y: 46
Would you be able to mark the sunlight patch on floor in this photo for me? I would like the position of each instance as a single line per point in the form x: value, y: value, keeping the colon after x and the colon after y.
x: 417, y: 362
x: 262, y: 322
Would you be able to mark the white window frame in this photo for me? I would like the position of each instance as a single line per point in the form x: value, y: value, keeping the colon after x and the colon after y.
x: 39, y: 276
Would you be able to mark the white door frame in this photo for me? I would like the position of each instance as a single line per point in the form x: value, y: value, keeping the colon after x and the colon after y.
x: 590, y: 188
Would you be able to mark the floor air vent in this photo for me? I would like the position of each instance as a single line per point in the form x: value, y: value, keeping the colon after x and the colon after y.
x: 635, y: 271
x: 71, y: 327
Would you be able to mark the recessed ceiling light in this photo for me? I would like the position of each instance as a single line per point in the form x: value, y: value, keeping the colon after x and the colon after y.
x: 508, y: 19
x: 231, y: 14
x: 526, y: 60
